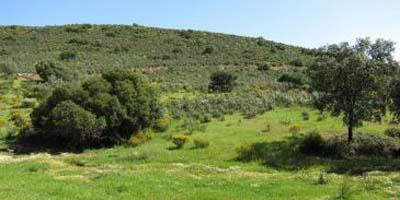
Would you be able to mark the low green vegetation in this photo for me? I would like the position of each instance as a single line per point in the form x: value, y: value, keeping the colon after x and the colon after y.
x: 129, y: 112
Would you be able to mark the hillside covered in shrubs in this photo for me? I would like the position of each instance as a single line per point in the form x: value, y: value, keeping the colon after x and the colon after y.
x: 94, y: 48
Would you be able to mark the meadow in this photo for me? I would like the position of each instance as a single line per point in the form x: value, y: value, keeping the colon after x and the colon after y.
x: 155, y: 170
x: 260, y: 138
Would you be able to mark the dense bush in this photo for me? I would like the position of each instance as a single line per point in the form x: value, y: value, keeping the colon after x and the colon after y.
x: 201, y: 142
x: 68, y: 55
x: 248, y: 152
x: 47, y: 69
x: 363, y: 145
x: 179, y: 140
x: 297, y: 62
x: 222, y: 82
x: 264, y: 67
x: 293, y: 79
x: 140, y: 138
x: 162, y: 125
x: 208, y: 50
x: 375, y: 145
x: 73, y: 126
x: 119, y: 103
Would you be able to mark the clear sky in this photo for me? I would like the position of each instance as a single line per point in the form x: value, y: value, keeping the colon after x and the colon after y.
x: 308, y: 23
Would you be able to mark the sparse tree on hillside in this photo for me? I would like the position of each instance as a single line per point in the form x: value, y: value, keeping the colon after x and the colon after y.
x: 353, y: 81
x: 222, y: 82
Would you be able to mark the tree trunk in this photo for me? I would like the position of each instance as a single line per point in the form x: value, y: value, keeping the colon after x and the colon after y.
x: 350, y: 134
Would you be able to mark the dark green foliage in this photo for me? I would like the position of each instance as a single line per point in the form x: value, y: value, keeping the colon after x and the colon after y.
x: 375, y: 145
x: 393, y: 132
x: 47, y: 69
x: 208, y: 50
x: 264, y: 67
x: 293, y: 79
x: 352, y: 81
x: 312, y: 144
x: 362, y: 145
x: 70, y: 125
x: 41, y: 43
x: 297, y: 62
x: 395, y: 97
x: 68, y: 55
x: 222, y: 82
x: 10, y: 38
x: 119, y: 104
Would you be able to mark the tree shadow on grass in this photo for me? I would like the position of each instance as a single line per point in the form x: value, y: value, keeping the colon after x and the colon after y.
x: 284, y: 155
x: 23, y: 145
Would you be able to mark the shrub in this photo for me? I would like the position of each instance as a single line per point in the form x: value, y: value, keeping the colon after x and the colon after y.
x: 162, y: 125
x: 248, y: 152
x: 208, y: 50
x: 47, y: 69
x: 10, y: 38
x: 68, y: 55
x: 121, y: 104
x: 70, y: 125
x: 179, y: 140
x: 222, y: 82
x: 305, y: 115
x: 140, y: 138
x: 201, y: 142
x: 264, y: 67
x: 297, y: 62
x: 293, y: 79
x: 393, y: 132
x: 205, y: 118
x: 375, y: 145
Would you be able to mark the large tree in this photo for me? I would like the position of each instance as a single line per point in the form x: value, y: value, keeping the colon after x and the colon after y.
x: 352, y: 80
x: 103, y: 111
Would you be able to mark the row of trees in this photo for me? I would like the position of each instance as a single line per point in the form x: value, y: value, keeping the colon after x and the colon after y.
x: 359, y: 81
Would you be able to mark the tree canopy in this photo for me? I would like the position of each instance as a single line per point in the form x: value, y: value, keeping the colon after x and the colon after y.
x: 353, y: 80
x: 103, y: 111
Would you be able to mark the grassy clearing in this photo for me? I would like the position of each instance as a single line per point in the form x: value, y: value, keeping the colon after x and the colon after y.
x: 153, y: 171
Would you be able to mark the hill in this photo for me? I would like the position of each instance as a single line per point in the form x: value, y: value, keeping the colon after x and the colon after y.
x: 94, y: 48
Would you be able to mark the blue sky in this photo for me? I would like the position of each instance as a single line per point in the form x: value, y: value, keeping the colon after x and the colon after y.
x: 308, y: 23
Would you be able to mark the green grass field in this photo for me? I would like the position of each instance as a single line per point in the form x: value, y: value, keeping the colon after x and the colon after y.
x: 154, y: 171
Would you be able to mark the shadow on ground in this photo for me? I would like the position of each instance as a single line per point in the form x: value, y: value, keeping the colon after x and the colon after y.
x: 284, y: 155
